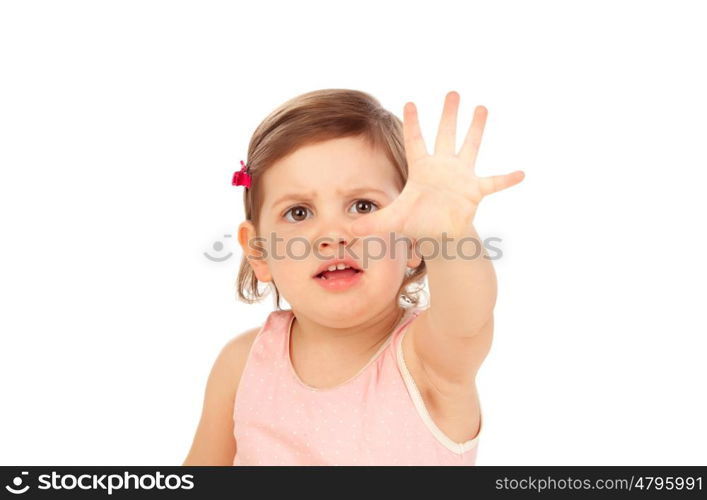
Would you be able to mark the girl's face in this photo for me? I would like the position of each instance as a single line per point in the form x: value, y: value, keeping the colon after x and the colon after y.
x: 310, y: 200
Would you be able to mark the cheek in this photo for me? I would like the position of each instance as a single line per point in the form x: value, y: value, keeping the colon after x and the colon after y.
x: 282, y: 248
x: 290, y: 278
x: 290, y: 261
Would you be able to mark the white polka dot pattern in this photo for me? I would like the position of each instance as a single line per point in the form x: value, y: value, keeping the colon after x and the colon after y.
x: 371, y: 419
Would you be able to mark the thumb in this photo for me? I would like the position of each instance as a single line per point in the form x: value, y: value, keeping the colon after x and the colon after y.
x: 495, y: 183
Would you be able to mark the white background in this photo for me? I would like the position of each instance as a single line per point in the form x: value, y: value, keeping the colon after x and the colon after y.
x: 121, y: 124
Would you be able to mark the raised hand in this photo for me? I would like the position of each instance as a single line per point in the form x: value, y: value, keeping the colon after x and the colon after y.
x: 442, y: 191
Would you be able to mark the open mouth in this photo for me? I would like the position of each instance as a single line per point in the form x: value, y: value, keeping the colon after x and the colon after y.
x: 338, y: 274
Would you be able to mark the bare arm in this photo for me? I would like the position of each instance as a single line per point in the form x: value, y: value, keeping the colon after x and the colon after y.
x: 439, y: 202
x: 455, y: 336
x: 214, y: 442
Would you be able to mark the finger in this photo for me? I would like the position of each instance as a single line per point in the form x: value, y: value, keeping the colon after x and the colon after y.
x: 414, y: 143
x: 472, y: 141
x: 447, y: 133
x: 494, y: 183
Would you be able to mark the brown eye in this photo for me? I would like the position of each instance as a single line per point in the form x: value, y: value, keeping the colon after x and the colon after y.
x: 299, y: 213
x: 364, y: 206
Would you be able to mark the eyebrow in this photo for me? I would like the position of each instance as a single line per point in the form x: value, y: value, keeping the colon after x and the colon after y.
x: 310, y: 196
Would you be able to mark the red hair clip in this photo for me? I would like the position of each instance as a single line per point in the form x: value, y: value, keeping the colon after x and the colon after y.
x: 241, y: 178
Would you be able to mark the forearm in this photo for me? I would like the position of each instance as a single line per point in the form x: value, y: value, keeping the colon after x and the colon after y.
x: 462, y: 283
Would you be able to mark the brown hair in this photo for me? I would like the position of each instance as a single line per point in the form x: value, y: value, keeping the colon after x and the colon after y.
x: 307, y: 119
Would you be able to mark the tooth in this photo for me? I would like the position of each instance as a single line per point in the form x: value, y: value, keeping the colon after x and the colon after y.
x: 341, y: 266
x: 331, y: 268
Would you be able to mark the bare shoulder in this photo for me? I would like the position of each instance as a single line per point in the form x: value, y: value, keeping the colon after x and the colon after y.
x: 214, y: 442
x: 228, y: 367
x: 236, y: 352
x: 238, y: 347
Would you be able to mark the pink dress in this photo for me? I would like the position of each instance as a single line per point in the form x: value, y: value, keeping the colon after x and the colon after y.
x: 377, y: 417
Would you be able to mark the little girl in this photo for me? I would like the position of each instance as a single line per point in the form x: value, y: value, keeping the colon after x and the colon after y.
x: 347, y: 211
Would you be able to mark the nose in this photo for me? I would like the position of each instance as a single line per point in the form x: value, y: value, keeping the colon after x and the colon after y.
x: 332, y: 243
x: 332, y: 234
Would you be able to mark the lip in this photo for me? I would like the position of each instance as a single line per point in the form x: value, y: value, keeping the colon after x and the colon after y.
x: 339, y: 284
x: 333, y: 262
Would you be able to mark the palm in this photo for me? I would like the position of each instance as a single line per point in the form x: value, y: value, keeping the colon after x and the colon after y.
x: 442, y: 191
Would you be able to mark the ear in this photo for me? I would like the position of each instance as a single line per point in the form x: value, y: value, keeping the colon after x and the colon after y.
x: 415, y: 255
x: 254, y: 250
